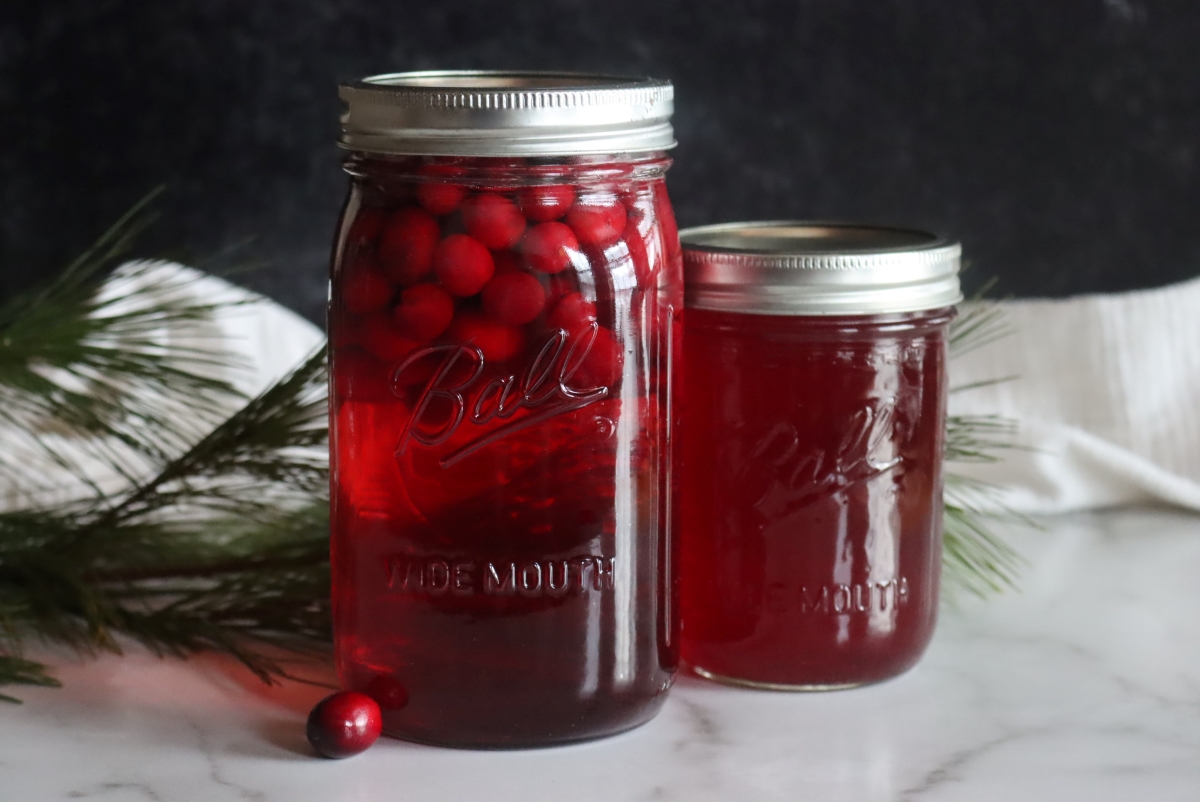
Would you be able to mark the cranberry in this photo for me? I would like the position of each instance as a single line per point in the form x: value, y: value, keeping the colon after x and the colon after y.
x: 406, y: 247
x: 602, y: 363
x: 436, y: 195
x: 365, y: 228
x: 508, y: 262
x: 572, y: 313
x: 358, y: 376
x: 549, y: 247
x: 463, y: 265
x: 365, y: 290
x: 545, y: 203
x: 424, y: 311
x: 497, y: 341
x: 344, y: 724
x: 383, y: 338
x: 596, y: 221
x: 493, y: 220
x: 514, y: 297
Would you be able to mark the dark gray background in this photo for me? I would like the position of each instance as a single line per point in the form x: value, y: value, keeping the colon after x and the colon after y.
x: 1056, y: 138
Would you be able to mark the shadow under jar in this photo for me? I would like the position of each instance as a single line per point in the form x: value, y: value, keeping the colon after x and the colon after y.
x: 814, y: 407
x: 505, y: 313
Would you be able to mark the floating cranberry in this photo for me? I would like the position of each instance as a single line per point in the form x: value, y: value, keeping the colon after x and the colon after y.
x: 514, y: 297
x: 365, y: 228
x: 549, y: 247
x: 344, y: 724
x: 365, y: 290
x: 601, y: 364
x: 597, y: 221
x: 424, y: 311
x: 572, y: 313
x: 497, y: 341
x: 436, y: 194
x: 358, y: 375
x: 407, y: 244
x: 463, y: 265
x: 388, y: 692
x: 383, y: 338
x: 493, y: 220
x: 544, y: 203
x: 561, y: 285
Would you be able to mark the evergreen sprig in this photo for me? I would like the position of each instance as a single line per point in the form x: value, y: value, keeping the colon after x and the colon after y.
x: 974, y: 558
x: 215, y: 536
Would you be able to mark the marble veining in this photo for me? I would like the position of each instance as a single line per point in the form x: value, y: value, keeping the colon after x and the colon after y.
x: 1083, y: 686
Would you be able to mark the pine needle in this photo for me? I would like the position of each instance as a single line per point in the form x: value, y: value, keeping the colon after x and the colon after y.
x: 974, y: 558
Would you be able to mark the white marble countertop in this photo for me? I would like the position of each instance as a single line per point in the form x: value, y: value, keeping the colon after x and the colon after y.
x: 1084, y: 686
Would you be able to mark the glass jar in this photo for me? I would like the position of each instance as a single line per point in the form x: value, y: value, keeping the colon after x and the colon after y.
x: 814, y: 407
x: 504, y: 316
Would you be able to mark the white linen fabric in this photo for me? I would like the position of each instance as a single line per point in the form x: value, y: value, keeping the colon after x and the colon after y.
x: 264, y: 340
x: 1106, y: 394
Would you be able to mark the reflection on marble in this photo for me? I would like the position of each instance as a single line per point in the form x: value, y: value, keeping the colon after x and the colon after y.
x: 1084, y: 686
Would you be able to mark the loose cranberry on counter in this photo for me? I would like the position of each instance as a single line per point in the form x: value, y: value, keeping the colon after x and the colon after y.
x: 497, y: 341
x: 548, y: 247
x: 597, y: 222
x: 514, y: 298
x: 437, y: 196
x: 493, y: 220
x: 365, y: 289
x: 344, y: 724
x: 545, y: 203
x: 572, y: 313
x: 407, y: 244
x: 463, y: 265
x: 424, y: 311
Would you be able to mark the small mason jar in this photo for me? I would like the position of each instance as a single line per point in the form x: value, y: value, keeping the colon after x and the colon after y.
x: 814, y: 410
x: 504, y: 317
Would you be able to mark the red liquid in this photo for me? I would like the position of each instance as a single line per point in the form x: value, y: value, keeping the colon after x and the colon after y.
x: 812, y: 495
x: 501, y: 527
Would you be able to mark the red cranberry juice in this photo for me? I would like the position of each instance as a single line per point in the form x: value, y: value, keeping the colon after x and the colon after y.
x: 501, y: 362
x: 812, y: 487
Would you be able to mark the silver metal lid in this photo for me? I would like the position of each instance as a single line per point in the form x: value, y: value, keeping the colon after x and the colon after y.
x: 485, y: 113
x: 785, y: 267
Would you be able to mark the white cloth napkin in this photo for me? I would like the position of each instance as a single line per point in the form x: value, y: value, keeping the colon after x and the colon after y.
x: 1106, y: 395
x: 265, y: 341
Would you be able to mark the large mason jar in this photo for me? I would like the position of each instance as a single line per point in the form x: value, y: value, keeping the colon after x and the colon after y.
x: 504, y: 319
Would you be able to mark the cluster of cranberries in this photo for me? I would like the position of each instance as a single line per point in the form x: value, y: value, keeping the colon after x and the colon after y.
x: 487, y: 267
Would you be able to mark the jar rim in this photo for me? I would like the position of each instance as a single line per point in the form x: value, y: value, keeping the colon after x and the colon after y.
x: 506, y: 113
x: 805, y: 267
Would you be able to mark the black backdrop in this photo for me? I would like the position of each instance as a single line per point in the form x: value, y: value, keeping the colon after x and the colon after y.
x: 1058, y: 139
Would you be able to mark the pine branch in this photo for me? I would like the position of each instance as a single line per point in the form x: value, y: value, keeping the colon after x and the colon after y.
x: 17, y: 671
x: 973, y: 557
x: 217, y: 538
